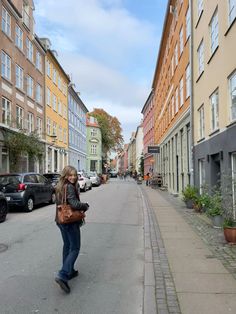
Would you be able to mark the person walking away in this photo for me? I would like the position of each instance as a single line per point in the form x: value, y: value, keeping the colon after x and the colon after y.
x: 147, y: 177
x: 70, y: 232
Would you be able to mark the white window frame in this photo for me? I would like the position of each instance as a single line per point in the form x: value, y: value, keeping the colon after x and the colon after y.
x: 30, y: 86
x: 6, y: 66
x: 181, y: 92
x: 214, y: 103
x: 54, y: 129
x: 29, y: 50
x: 200, y: 53
x: 176, y: 55
x: 232, y: 10
x: 6, y: 111
x: 232, y: 95
x: 19, y: 77
x: 38, y: 62
x: 54, y: 102
x: 48, y: 126
x: 93, y: 149
x: 188, y: 81
x: 19, y: 117
x: 201, y: 122
x: 54, y: 76
x: 6, y: 22
x: 59, y: 107
x: 214, y: 31
x: 181, y: 41
x: 39, y: 95
x: 30, y: 120
x: 48, y: 97
x: 188, y: 24
x: 48, y: 65
x: 93, y: 132
x: 199, y: 7
x: 202, y: 174
x: 172, y: 107
x: 39, y: 127
x: 176, y: 100
x: 19, y: 37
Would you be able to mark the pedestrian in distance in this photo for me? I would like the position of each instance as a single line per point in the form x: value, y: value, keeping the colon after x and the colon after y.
x: 70, y: 232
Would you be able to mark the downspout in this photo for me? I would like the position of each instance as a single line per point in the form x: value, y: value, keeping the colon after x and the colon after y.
x: 191, y: 97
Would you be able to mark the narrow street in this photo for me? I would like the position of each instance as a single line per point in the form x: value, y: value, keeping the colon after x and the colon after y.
x: 111, y: 262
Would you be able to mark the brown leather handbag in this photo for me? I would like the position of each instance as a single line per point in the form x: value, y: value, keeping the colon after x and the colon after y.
x: 66, y: 215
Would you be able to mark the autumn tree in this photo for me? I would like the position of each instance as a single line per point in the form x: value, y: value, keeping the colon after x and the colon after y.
x: 110, y: 128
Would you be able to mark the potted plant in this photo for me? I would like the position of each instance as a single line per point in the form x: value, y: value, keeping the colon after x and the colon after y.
x: 229, y: 225
x: 215, y: 210
x: 190, y: 194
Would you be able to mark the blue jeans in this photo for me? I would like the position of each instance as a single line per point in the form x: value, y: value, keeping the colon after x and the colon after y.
x: 71, y: 247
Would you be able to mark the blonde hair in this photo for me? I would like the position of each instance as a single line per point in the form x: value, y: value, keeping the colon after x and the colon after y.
x: 66, y: 172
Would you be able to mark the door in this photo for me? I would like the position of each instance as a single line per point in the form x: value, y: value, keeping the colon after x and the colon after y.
x: 33, y: 188
x: 46, y: 188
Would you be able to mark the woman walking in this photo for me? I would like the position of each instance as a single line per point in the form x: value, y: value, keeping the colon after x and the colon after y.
x: 68, y: 187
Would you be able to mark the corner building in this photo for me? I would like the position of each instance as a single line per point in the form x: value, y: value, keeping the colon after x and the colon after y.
x: 171, y: 97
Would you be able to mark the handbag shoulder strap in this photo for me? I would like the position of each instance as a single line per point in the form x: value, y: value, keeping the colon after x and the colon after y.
x: 64, y: 195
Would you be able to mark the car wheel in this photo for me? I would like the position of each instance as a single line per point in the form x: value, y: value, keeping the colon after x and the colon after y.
x: 53, y: 198
x: 29, y: 206
x: 3, y: 211
x: 90, y: 188
x: 85, y: 188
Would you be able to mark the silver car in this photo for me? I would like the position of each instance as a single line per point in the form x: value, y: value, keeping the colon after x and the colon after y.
x: 93, y: 176
x: 84, y: 182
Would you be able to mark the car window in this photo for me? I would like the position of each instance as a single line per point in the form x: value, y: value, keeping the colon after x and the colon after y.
x: 30, y: 178
x: 7, y: 180
x: 41, y: 179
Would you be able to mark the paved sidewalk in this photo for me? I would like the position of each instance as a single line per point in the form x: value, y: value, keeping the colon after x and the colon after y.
x: 195, y: 258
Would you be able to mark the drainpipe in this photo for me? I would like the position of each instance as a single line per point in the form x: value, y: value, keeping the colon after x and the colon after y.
x: 191, y: 96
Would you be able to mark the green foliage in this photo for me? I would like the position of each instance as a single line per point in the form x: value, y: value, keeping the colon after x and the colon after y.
x: 21, y: 143
x: 141, y: 165
x: 190, y: 193
x: 229, y: 223
x: 215, y: 206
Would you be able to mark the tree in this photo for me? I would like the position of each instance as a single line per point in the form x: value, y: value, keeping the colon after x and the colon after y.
x: 110, y: 130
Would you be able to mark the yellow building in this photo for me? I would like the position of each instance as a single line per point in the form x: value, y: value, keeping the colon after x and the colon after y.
x: 56, y: 112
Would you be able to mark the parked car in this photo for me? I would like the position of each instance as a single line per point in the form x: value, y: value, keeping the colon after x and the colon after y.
x: 113, y: 174
x: 93, y: 176
x: 84, y: 182
x: 53, y: 177
x: 3, y: 207
x: 26, y: 189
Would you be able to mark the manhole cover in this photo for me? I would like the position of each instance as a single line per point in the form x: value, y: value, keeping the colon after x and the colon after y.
x: 3, y: 247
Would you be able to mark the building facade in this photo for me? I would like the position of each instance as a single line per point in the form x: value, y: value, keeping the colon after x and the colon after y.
x: 214, y: 90
x: 77, y: 130
x: 171, y: 97
x: 94, y: 145
x: 56, y: 112
x: 148, y: 133
x: 22, y: 80
x: 138, y: 146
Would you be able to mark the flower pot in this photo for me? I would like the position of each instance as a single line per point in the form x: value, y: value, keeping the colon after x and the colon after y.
x: 189, y: 203
x: 217, y: 221
x: 230, y: 234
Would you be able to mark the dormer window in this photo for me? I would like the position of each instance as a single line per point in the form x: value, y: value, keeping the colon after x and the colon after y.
x: 26, y: 14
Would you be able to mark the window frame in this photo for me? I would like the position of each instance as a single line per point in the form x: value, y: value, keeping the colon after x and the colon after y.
x: 6, y: 22
x: 200, y: 53
x: 232, y: 76
x: 5, y: 66
x: 19, y: 77
x: 214, y: 111
x: 214, y: 26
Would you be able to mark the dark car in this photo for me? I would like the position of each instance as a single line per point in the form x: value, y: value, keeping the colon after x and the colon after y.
x: 113, y: 174
x: 26, y: 189
x: 3, y: 207
x: 53, y: 177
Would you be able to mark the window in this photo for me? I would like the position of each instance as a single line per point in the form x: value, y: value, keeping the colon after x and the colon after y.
x: 38, y: 61
x: 6, y: 22
x: 30, y: 122
x: 19, y: 117
x: 30, y: 86
x: 54, y: 76
x: 60, y: 133
x: 202, y: 175
x: 6, y: 66
x: 54, y: 103
x: 188, y: 81
x: 39, y: 127
x: 232, y: 87
x: 214, y: 102
x: 65, y: 112
x: 54, y: 128
x: 172, y: 107
x: 29, y: 50
x: 19, y: 37
x: 181, y: 41
x: 176, y: 100
x: 93, y: 132
x: 19, y: 77
x: 188, y: 24
x: 200, y: 53
x: 232, y: 10
x: 201, y: 122
x: 48, y: 69
x: 199, y: 7
x: 59, y: 82
x: 214, y: 32
x: 48, y: 126
x: 65, y: 136
x: 59, y: 107
x: 6, y: 111
x: 38, y: 93
x: 93, y: 150
x: 181, y: 92
x: 176, y: 55
x: 48, y: 97
x: 26, y: 16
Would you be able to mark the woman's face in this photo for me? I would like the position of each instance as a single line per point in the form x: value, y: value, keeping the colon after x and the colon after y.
x: 72, y: 177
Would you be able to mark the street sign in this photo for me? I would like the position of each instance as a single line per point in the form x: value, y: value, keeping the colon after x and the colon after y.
x: 153, y: 149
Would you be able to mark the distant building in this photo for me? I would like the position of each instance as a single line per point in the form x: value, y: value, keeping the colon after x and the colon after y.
x: 138, y: 146
x: 77, y: 130
x: 94, y: 145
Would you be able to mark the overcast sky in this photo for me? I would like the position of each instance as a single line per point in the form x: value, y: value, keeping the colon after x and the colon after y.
x: 109, y: 48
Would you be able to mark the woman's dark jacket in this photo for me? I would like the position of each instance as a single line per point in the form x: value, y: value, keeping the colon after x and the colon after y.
x: 72, y: 198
